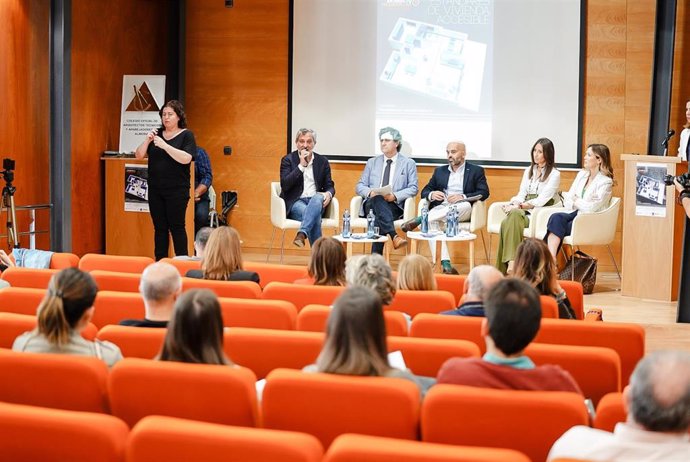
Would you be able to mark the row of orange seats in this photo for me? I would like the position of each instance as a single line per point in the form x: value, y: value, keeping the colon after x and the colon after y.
x: 162, y: 439
x: 108, y: 269
x: 323, y: 405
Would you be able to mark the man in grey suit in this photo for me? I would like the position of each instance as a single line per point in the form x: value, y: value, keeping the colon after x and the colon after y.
x: 390, y: 168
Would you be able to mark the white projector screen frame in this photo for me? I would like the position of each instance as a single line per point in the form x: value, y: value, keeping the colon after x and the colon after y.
x: 528, y: 84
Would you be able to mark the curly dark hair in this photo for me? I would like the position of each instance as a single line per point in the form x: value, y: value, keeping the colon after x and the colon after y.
x: 176, y: 106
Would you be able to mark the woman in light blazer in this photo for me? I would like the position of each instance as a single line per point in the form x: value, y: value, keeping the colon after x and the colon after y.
x: 684, y: 148
x: 590, y: 192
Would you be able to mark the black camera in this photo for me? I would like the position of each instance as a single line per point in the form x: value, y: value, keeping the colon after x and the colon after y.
x: 8, y: 170
x: 683, y: 179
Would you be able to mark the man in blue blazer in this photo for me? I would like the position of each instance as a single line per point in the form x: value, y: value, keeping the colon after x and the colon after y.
x: 306, y: 186
x: 390, y: 168
x: 451, y: 185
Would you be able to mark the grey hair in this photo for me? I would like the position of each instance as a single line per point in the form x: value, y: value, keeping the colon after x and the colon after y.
x: 481, y: 279
x: 394, y: 133
x: 373, y: 272
x: 659, y: 397
x: 159, y: 281
x: 306, y: 131
x: 202, y: 236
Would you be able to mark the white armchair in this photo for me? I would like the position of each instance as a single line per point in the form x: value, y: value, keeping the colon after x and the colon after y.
x: 598, y: 228
x: 477, y: 222
x: 279, y: 218
x: 358, y: 222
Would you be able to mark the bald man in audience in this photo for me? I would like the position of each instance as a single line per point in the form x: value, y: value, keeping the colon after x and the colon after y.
x: 658, y: 405
x: 513, y: 317
x: 480, y: 280
x: 160, y: 286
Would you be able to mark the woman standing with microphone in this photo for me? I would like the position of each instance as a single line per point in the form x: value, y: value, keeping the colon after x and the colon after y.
x: 170, y: 150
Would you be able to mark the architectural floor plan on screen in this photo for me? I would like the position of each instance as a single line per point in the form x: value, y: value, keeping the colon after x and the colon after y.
x: 435, y: 61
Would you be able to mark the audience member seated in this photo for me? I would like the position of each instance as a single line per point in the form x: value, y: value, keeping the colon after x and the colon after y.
x: 327, y: 264
x: 658, y: 422
x: 479, y: 282
x: 223, y: 258
x: 373, y: 272
x: 195, y: 331
x: 535, y: 265
x: 513, y: 316
x: 356, y: 339
x: 160, y: 286
x: 63, y: 313
x: 200, y: 241
x: 416, y: 273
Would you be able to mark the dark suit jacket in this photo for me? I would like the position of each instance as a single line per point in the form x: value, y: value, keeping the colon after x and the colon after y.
x: 292, y: 178
x: 474, y: 183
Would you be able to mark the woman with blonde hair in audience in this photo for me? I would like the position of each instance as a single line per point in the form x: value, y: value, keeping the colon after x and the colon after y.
x: 371, y: 271
x: 416, y: 273
x: 63, y: 314
x: 223, y: 258
x: 535, y: 265
x: 195, y: 330
x: 356, y: 339
x: 327, y: 264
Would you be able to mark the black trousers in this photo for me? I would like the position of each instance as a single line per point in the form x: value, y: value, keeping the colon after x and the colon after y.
x: 168, y: 208
x: 386, y: 213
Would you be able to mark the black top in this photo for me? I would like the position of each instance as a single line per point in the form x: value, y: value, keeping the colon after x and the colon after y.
x: 164, y: 171
x: 234, y: 276
x: 143, y: 323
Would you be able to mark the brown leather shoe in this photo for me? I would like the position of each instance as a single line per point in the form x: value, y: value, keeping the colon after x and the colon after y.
x: 399, y: 242
x: 410, y: 225
x: 299, y: 239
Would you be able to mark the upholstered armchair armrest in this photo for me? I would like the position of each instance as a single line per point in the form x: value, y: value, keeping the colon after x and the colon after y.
x: 495, y: 216
x: 478, y: 216
x: 598, y: 228
x: 408, y: 209
x: 278, y: 213
x: 355, y: 206
x: 333, y: 210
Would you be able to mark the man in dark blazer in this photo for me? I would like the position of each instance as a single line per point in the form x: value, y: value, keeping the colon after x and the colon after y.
x: 306, y: 186
x: 451, y: 186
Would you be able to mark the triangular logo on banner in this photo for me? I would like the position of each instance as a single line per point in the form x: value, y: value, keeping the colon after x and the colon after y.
x: 142, y: 100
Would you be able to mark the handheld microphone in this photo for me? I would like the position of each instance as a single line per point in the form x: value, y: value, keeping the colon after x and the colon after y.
x: 670, y: 134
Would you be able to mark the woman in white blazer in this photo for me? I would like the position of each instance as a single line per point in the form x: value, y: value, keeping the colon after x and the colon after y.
x: 590, y: 192
x: 684, y: 148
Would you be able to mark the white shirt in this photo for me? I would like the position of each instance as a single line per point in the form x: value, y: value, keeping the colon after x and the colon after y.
x: 308, y: 172
x: 393, y: 164
x: 626, y: 443
x: 455, y: 180
x: 545, y: 190
x: 596, y: 196
x: 683, y: 146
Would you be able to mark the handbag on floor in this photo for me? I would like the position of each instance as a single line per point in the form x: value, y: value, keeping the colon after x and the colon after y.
x: 585, y: 269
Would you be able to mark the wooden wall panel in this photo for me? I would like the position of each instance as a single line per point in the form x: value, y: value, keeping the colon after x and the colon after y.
x: 24, y: 107
x: 110, y: 39
x: 237, y: 71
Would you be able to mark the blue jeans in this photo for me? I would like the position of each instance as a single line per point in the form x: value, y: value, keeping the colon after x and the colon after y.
x: 308, y: 210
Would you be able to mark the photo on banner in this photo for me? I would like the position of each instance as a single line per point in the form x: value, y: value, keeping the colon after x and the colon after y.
x: 136, y: 188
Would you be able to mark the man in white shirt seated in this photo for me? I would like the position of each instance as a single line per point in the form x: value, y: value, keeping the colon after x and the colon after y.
x: 658, y: 405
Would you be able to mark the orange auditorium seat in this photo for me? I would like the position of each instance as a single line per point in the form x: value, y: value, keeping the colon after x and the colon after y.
x: 263, y: 314
x: 628, y: 340
x: 454, y: 327
x: 313, y: 318
x: 117, y: 263
x: 12, y: 325
x: 263, y: 350
x: 210, y: 393
x: 20, y: 300
x: 414, y: 302
x: 453, y: 283
x: 274, y: 272
x: 62, y: 260
x: 425, y: 356
x: 111, y: 307
x: 75, y: 383
x: 29, y: 434
x: 28, y: 277
x: 549, y: 307
x: 610, y: 411
x: 362, y: 448
x: 328, y: 405
x: 116, y: 281
x: 596, y: 370
x: 163, y: 439
x: 301, y: 295
x: 575, y: 293
x: 526, y: 421
x: 183, y: 265
x: 228, y: 289
x: 134, y: 342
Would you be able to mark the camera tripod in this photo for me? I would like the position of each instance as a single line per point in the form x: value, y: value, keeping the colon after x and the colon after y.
x: 8, y: 203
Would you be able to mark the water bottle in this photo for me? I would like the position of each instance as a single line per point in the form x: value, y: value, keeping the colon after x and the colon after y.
x: 370, y: 224
x: 449, y: 223
x: 425, y: 220
x: 455, y: 221
x: 347, y: 232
